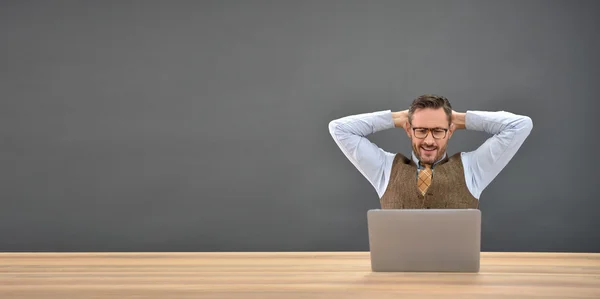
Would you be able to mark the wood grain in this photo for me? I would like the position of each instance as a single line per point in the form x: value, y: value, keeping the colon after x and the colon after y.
x: 288, y: 275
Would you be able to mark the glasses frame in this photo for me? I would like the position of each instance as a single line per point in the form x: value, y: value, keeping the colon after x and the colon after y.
x: 428, y: 131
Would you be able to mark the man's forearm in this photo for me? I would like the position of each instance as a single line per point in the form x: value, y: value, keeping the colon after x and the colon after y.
x: 497, y: 122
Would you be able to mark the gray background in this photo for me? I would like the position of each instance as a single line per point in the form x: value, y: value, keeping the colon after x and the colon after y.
x: 202, y: 125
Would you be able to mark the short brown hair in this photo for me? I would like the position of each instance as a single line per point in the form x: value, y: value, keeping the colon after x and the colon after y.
x: 430, y: 101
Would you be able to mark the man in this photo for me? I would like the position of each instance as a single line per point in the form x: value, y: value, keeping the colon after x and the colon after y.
x: 430, y: 179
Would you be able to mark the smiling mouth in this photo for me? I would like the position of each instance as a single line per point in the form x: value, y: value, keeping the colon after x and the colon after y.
x: 428, y: 149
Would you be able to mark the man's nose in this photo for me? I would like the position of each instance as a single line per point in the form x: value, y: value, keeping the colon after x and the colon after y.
x: 429, y: 138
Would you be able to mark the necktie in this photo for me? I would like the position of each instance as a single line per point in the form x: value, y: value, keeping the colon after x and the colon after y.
x: 424, y: 179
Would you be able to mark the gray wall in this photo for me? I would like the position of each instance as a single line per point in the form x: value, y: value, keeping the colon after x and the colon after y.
x: 202, y: 125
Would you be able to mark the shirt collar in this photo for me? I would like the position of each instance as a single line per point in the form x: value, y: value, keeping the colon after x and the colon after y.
x: 416, y: 160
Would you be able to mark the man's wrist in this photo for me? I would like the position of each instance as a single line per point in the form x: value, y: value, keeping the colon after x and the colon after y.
x: 400, y: 118
x: 459, y: 120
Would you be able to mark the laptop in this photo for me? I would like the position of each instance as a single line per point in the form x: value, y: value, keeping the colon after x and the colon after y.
x: 424, y: 240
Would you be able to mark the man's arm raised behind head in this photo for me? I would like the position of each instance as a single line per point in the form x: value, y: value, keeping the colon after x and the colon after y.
x: 485, y: 163
x: 350, y: 134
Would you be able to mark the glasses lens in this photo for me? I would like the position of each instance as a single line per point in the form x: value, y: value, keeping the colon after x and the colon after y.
x: 420, y: 133
x: 439, y: 133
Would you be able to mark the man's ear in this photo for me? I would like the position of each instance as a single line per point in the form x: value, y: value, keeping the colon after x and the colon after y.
x: 451, y: 131
x: 407, y: 129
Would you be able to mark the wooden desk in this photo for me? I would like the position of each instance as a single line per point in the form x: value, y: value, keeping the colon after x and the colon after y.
x: 288, y: 275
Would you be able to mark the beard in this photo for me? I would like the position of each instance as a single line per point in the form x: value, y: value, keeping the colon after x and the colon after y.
x: 428, y: 154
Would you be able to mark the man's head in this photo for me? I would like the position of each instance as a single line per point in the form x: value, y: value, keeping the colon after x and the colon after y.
x: 429, y: 127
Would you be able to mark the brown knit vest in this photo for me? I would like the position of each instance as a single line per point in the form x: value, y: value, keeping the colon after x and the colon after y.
x: 448, y: 189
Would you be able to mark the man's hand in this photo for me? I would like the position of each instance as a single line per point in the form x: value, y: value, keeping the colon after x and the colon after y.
x: 400, y: 118
x: 458, y: 119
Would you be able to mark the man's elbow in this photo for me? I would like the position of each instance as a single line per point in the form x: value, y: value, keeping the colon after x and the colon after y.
x: 332, y: 126
x: 528, y: 123
x: 335, y: 128
x: 525, y: 125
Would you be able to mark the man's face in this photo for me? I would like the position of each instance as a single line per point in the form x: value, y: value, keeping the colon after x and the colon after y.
x: 429, y: 149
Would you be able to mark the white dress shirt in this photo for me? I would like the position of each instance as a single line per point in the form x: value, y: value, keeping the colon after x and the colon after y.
x: 481, y: 165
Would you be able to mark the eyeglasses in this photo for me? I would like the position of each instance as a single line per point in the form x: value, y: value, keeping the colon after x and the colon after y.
x: 437, y: 133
